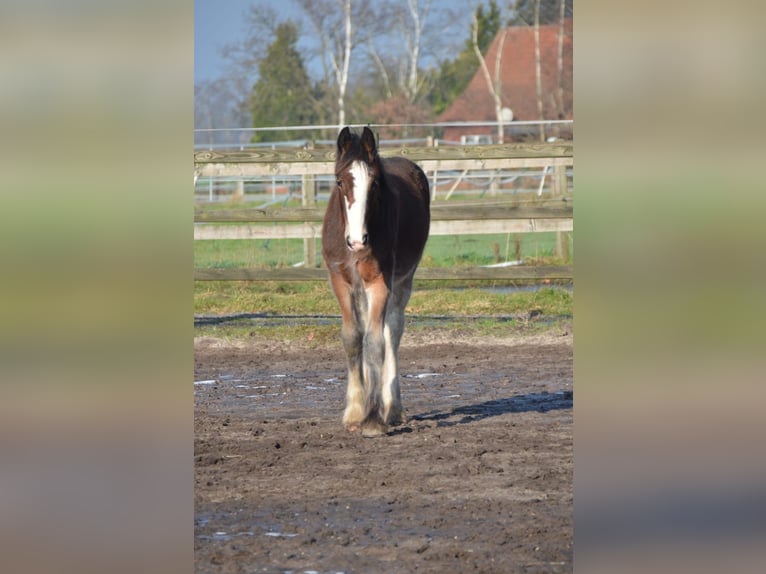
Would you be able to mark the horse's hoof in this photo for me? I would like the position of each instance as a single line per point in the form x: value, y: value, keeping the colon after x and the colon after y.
x: 372, y: 429
x: 397, y: 419
x: 352, y: 428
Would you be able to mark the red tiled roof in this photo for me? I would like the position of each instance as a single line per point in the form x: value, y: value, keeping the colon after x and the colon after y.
x: 519, y: 88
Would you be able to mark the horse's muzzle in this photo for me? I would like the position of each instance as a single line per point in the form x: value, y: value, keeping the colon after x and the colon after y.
x: 357, y: 245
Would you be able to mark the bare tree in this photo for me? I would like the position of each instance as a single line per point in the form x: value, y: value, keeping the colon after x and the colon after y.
x: 413, y: 37
x: 538, y: 74
x: 260, y: 23
x: 495, y: 86
x: 381, y: 66
x: 406, y: 33
x: 218, y: 104
x: 338, y: 24
x: 560, y: 59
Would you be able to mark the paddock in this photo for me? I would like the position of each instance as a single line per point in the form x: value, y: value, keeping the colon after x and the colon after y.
x: 478, y: 480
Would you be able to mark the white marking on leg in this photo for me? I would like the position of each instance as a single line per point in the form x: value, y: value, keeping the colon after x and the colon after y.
x: 356, y: 211
x: 354, y: 412
x: 389, y: 372
x: 368, y: 293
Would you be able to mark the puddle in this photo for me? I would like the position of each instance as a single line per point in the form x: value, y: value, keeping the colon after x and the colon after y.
x: 422, y: 375
x: 222, y: 536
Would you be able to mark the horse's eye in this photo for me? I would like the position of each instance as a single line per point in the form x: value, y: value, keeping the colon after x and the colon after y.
x: 339, y: 183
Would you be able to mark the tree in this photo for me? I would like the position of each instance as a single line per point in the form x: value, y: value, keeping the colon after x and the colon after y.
x: 218, y: 104
x: 494, y: 85
x: 338, y: 24
x: 283, y: 95
x: 453, y: 76
x: 549, y: 12
x: 244, y: 57
x: 560, y: 58
x: 523, y: 12
x: 399, y: 110
x: 402, y: 27
x: 538, y: 74
x: 260, y: 23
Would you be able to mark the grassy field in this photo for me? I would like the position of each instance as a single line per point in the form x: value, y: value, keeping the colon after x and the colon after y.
x: 473, y: 308
x: 441, y: 251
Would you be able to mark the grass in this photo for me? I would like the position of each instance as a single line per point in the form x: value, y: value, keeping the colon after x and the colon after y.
x: 441, y: 251
x: 323, y: 335
x: 472, y: 308
x: 312, y: 298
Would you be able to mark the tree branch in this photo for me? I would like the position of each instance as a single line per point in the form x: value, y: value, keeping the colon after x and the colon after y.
x: 494, y: 90
x: 538, y: 75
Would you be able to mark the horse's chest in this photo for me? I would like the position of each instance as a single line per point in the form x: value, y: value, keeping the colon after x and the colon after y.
x: 356, y: 270
x: 368, y: 271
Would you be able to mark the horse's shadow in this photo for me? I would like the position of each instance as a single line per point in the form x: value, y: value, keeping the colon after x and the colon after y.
x: 538, y: 402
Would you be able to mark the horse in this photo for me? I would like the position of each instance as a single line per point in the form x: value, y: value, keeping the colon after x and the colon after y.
x: 373, y: 236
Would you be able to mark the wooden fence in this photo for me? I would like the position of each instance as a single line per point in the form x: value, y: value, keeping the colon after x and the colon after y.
x: 554, y: 213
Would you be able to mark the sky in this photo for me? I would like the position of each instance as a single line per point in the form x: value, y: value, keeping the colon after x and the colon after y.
x: 217, y: 23
x: 220, y: 22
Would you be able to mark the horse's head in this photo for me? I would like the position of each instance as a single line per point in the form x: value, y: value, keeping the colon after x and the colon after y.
x: 357, y: 173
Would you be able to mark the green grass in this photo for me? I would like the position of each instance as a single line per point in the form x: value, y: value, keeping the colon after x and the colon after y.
x: 232, y: 253
x: 441, y: 251
x: 474, y: 311
x: 324, y: 335
x: 230, y: 297
x: 468, y: 250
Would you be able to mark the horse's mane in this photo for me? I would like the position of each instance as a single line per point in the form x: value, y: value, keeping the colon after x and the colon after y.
x: 354, y: 152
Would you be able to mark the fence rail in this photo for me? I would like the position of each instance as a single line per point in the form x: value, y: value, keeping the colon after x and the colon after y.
x: 448, y: 218
x: 267, y: 162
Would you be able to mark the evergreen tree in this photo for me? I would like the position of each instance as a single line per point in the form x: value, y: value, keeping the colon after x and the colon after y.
x: 283, y: 95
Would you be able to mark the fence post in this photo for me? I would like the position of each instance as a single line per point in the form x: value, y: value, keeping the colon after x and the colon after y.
x: 308, y: 199
x: 559, y: 188
x: 239, y: 192
x: 434, y: 142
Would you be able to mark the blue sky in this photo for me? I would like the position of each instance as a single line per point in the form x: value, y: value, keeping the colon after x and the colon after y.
x: 217, y: 23
x: 220, y: 22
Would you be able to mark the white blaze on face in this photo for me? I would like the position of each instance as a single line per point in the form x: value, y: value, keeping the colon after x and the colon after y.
x: 356, y: 211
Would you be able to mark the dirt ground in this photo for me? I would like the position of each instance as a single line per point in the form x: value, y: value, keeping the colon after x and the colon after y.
x: 478, y: 480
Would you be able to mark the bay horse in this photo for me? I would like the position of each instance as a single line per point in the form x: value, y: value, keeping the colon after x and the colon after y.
x: 374, y: 232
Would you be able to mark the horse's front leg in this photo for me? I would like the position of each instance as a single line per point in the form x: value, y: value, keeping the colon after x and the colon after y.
x: 374, y: 356
x: 354, y: 413
x: 393, y: 412
x: 351, y: 336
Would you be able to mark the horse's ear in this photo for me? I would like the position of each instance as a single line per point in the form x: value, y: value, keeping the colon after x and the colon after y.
x: 344, y: 140
x: 368, y: 142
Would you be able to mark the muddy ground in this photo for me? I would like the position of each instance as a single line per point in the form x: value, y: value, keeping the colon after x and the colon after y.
x: 478, y: 480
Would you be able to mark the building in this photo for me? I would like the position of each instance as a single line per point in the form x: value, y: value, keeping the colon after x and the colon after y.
x: 519, y: 87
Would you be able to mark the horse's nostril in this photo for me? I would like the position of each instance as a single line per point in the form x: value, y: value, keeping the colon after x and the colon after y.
x: 355, y: 245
